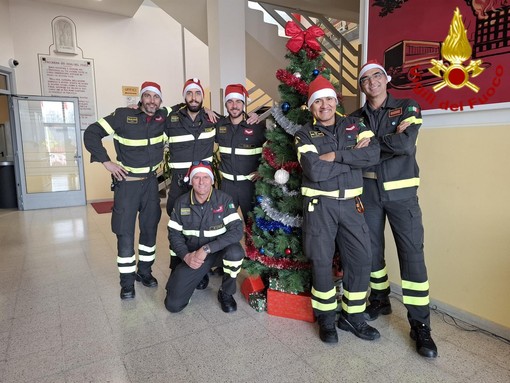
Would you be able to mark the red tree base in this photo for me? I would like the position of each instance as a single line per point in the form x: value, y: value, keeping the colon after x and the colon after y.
x: 293, y: 306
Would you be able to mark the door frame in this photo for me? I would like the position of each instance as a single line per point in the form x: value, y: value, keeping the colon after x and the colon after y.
x: 30, y: 201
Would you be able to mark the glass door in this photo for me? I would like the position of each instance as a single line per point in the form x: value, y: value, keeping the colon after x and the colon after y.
x: 49, y: 152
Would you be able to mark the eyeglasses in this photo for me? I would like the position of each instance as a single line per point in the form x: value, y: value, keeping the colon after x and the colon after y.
x: 377, y: 76
x: 203, y: 162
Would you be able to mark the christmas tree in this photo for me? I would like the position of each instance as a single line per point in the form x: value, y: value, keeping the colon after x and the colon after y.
x: 273, y: 237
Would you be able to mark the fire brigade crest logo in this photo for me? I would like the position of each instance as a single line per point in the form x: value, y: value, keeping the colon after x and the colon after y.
x: 456, y: 50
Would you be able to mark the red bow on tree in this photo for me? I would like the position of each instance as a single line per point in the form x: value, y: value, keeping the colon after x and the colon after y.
x: 299, y: 37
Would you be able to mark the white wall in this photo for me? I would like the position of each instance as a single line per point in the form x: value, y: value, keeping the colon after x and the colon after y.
x: 126, y: 51
x: 6, y: 48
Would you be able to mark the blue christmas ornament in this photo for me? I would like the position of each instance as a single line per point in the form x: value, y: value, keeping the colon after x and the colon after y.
x: 262, y: 251
x: 260, y: 199
x: 315, y: 72
x: 285, y: 107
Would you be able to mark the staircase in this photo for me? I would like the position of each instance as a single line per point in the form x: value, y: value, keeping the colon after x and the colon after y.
x: 265, y: 50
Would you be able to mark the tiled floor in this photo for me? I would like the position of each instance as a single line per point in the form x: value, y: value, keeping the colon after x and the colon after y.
x: 61, y: 320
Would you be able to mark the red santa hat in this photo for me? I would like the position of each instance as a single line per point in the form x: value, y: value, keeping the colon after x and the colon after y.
x: 151, y: 86
x: 236, y: 91
x: 199, y: 167
x: 320, y: 87
x: 372, y: 64
x: 192, y: 83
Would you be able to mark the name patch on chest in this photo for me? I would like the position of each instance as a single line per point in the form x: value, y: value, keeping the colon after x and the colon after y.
x: 132, y: 120
x: 174, y: 118
x: 185, y: 211
x: 222, y: 130
x: 395, y: 112
x: 314, y: 134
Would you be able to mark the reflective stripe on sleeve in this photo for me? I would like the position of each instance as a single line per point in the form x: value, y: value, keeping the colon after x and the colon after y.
x: 365, y: 134
x: 214, y: 233
x: 231, y: 218
x: 174, y: 225
x: 106, y: 126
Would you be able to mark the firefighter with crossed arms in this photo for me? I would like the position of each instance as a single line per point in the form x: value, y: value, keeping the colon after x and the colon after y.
x: 390, y: 191
x: 332, y: 150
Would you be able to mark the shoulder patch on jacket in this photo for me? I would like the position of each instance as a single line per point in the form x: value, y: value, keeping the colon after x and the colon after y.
x: 413, y: 108
x: 131, y: 120
x: 395, y: 112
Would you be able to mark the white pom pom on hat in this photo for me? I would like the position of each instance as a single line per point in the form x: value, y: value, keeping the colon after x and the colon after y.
x: 192, y: 83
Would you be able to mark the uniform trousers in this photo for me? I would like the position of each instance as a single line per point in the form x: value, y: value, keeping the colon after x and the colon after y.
x: 328, y: 221
x: 241, y: 192
x: 132, y: 198
x: 177, y: 188
x: 183, y: 279
x: 405, y: 219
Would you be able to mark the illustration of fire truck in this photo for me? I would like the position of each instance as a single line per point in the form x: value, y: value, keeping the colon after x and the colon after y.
x: 409, y: 59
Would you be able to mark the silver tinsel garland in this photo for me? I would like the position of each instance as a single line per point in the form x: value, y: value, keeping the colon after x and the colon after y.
x: 286, y: 124
x: 284, y: 188
x: 276, y: 215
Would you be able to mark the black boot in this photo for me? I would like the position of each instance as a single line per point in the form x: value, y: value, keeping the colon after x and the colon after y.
x: 127, y: 292
x: 424, y: 343
x: 377, y: 307
x: 361, y: 329
x: 327, y: 329
x: 227, y: 301
x: 203, y: 283
x: 147, y: 280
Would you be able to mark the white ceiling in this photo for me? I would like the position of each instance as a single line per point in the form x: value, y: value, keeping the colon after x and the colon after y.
x: 339, y: 9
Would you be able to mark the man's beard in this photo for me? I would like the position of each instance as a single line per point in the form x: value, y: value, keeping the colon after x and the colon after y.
x: 194, y: 108
x: 234, y: 113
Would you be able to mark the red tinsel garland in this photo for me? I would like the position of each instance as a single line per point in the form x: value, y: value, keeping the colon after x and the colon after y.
x: 270, y: 158
x: 290, y: 80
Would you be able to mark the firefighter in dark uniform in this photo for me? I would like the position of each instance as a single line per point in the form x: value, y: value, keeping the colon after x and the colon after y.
x: 240, y: 148
x: 204, y: 228
x: 390, y: 191
x: 332, y: 151
x: 139, y: 136
x: 191, y: 138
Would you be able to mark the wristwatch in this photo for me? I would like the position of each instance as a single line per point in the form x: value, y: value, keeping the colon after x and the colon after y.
x: 206, y: 248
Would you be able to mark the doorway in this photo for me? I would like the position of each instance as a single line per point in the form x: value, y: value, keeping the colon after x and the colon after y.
x: 40, y: 150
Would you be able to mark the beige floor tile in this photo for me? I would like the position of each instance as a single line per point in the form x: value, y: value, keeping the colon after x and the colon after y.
x: 61, y: 320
